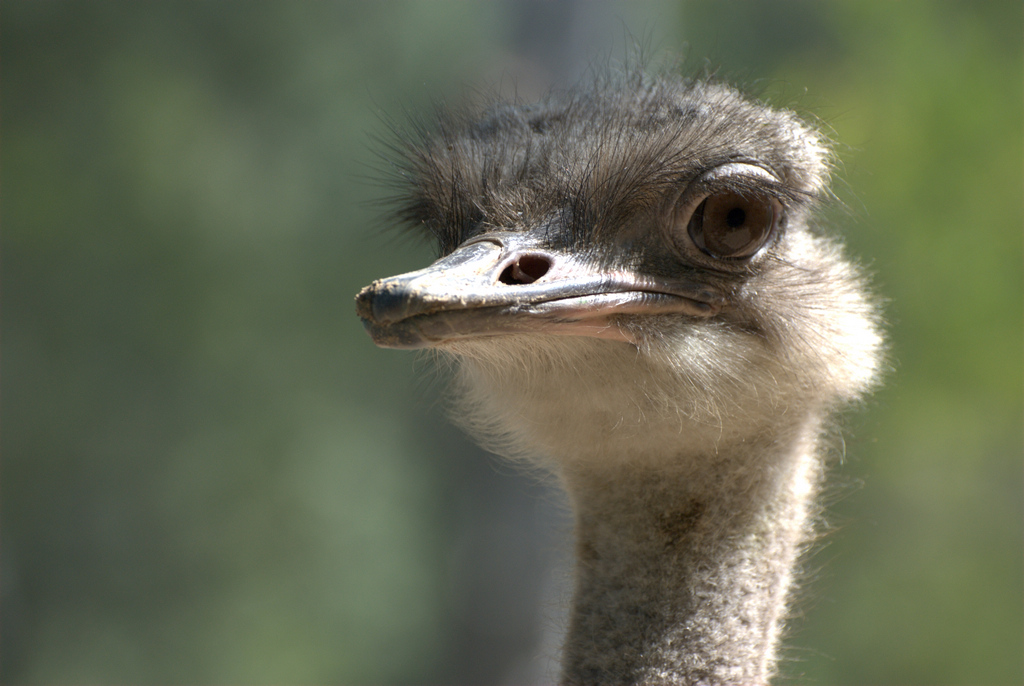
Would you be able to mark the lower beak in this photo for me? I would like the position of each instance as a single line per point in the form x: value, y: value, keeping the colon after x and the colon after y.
x: 508, y: 284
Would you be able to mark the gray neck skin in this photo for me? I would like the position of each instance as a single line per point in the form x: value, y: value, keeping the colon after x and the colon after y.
x: 683, y: 573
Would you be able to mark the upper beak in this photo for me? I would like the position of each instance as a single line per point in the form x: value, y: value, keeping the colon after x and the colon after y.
x: 507, y: 283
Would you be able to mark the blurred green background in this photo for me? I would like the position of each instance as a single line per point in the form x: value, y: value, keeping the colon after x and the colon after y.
x: 210, y: 475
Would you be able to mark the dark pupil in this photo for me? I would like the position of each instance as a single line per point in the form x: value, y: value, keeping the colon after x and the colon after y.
x: 736, y: 217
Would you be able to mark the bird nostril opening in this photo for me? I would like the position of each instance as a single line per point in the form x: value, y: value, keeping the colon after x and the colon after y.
x: 526, y: 269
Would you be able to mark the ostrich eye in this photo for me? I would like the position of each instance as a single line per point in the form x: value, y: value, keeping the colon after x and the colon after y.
x: 732, y: 226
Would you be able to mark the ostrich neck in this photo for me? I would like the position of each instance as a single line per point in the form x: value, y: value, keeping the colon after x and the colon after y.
x: 683, y: 569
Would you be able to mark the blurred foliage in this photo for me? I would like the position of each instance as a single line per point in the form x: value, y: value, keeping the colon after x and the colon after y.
x: 211, y: 476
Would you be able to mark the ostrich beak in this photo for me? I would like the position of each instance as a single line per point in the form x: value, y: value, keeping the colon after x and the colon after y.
x: 508, y: 283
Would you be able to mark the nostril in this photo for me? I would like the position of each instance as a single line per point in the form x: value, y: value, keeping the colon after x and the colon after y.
x: 525, y: 269
x: 529, y: 268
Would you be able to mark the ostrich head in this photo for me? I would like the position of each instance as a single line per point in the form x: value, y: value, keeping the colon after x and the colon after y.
x: 634, y: 294
x: 628, y: 264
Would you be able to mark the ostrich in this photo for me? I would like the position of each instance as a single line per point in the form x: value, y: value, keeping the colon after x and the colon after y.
x: 634, y: 298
